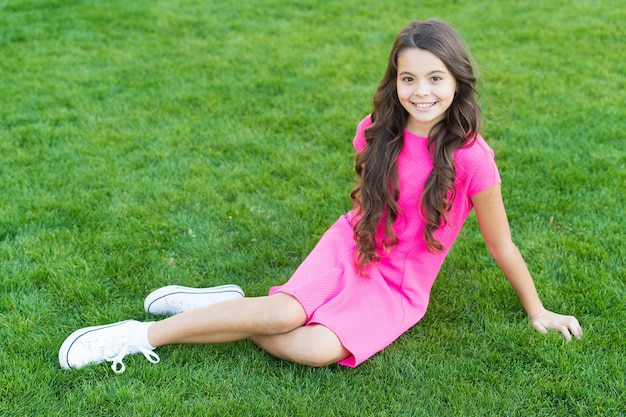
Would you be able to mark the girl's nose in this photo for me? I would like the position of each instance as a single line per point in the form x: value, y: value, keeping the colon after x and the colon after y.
x: 421, y: 91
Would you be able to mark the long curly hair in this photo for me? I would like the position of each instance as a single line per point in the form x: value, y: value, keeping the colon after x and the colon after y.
x: 377, y: 192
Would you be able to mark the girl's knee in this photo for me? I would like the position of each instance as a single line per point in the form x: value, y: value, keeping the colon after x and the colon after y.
x: 284, y: 313
x: 320, y: 347
x: 316, y: 357
x: 313, y: 345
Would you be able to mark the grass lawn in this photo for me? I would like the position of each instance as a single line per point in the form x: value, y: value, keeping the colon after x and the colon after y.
x: 145, y: 143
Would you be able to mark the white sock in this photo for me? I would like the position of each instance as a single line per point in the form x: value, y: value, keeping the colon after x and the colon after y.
x: 142, y: 334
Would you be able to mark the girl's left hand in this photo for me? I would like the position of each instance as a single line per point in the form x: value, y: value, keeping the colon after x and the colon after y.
x: 566, y: 325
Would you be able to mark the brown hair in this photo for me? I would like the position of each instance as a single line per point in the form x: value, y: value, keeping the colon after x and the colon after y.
x: 376, y: 194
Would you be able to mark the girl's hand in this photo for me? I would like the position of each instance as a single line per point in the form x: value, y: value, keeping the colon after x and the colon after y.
x: 566, y: 325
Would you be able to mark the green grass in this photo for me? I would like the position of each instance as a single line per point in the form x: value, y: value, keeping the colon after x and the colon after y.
x: 144, y: 143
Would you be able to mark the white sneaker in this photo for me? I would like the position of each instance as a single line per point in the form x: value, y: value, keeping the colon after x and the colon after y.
x: 111, y: 342
x: 175, y: 299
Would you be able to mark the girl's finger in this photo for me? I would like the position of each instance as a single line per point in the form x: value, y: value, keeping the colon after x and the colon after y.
x: 577, y: 331
x: 574, y: 327
x: 565, y: 332
x: 537, y: 326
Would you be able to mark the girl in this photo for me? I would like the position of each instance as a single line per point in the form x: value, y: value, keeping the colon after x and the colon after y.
x: 422, y: 167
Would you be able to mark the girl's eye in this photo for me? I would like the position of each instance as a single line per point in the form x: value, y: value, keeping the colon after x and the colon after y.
x: 435, y: 79
x: 407, y: 79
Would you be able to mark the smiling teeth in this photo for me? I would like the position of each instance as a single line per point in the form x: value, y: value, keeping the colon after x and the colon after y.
x: 423, y: 105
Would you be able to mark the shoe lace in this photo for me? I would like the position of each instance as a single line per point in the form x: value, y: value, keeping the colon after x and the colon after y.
x: 118, y: 365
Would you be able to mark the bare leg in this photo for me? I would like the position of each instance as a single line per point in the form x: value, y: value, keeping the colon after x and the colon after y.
x: 313, y: 345
x: 230, y: 320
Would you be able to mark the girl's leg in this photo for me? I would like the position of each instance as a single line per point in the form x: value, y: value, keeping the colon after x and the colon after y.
x: 275, y: 322
x: 313, y: 345
x: 230, y: 320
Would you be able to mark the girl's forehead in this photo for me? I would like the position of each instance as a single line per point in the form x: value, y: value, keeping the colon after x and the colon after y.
x: 420, y: 59
x: 417, y: 56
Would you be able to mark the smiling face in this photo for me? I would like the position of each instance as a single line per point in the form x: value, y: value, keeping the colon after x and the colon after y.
x: 425, y: 89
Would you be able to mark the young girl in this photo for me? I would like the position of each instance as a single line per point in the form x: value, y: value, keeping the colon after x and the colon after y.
x: 422, y: 167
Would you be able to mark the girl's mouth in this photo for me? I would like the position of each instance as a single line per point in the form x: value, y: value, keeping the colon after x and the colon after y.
x: 424, y: 106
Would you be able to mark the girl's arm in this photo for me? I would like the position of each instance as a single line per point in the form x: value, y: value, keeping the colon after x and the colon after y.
x: 495, y: 229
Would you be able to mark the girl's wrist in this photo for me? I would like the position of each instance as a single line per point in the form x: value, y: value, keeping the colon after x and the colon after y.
x: 536, y: 313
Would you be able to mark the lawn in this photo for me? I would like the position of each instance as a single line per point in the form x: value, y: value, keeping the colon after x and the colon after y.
x: 145, y: 143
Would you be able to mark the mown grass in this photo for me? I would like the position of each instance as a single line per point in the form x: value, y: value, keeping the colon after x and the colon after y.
x: 146, y: 143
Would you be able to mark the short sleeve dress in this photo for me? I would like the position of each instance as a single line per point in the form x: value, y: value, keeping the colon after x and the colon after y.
x: 369, y: 313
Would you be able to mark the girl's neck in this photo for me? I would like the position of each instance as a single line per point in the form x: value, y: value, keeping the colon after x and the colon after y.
x: 417, y: 132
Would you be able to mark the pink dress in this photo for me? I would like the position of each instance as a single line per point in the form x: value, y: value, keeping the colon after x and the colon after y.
x: 368, y: 314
